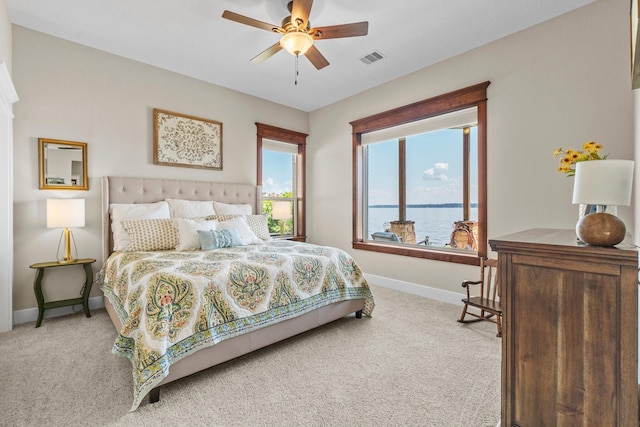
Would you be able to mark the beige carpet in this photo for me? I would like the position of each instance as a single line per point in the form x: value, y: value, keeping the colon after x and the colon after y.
x: 411, y: 364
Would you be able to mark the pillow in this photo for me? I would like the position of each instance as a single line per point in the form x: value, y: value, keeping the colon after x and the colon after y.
x: 151, y: 234
x: 123, y: 211
x: 188, y: 239
x: 190, y: 208
x: 231, y: 209
x: 257, y: 223
x: 246, y: 235
x: 214, y: 239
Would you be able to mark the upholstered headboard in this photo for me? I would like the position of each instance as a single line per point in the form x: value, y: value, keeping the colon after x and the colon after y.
x: 117, y: 189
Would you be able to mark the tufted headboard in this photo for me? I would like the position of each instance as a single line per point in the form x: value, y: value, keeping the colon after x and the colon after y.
x: 117, y: 189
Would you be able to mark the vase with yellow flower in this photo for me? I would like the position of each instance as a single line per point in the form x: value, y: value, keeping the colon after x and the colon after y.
x: 568, y: 160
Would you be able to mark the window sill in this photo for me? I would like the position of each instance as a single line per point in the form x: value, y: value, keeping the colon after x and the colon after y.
x: 415, y: 252
x: 294, y: 238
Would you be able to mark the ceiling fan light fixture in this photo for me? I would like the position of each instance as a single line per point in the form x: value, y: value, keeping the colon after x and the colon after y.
x: 296, y: 42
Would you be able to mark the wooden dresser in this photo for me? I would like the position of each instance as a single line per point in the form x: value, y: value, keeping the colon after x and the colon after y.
x: 570, y: 331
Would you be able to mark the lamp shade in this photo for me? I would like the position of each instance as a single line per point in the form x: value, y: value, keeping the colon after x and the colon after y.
x: 65, y: 213
x: 603, y: 182
x: 296, y: 42
x: 281, y: 210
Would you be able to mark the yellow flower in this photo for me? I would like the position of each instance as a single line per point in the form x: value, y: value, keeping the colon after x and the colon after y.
x: 570, y: 157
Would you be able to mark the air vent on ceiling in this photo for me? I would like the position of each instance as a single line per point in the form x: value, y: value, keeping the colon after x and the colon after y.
x: 372, y: 57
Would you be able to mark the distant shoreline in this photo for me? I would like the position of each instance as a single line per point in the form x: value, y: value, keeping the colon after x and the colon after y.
x: 428, y: 205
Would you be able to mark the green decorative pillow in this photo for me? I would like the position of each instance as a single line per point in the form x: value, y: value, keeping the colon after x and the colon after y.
x: 214, y: 239
x: 151, y: 234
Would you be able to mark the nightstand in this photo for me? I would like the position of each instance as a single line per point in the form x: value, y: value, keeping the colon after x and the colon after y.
x: 86, y: 288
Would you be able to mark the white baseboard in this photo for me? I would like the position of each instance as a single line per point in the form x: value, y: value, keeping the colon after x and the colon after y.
x: 31, y: 314
x: 420, y: 290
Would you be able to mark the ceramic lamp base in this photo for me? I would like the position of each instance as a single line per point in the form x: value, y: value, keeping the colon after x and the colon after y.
x: 600, y: 229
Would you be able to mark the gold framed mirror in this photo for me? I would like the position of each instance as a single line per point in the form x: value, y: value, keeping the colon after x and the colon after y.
x: 63, y: 164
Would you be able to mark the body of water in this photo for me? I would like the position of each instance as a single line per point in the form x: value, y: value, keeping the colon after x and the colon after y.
x: 433, y: 221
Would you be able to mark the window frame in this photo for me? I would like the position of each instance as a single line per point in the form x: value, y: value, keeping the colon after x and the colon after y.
x: 278, y: 134
x: 472, y: 96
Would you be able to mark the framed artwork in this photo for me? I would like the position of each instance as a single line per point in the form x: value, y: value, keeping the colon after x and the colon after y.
x: 187, y: 141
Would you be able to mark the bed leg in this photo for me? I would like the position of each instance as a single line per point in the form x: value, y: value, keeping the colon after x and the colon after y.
x: 359, y: 314
x: 154, y: 395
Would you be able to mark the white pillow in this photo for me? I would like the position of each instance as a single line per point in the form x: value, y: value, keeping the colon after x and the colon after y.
x: 231, y: 208
x: 190, y: 208
x: 188, y: 238
x: 247, y: 236
x: 128, y: 211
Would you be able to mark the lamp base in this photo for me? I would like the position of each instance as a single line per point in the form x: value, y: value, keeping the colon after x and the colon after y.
x: 600, y: 229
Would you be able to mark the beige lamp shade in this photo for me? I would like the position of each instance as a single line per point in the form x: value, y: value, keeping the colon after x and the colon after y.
x: 65, y: 213
x: 603, y: 182
x: 281, y: 210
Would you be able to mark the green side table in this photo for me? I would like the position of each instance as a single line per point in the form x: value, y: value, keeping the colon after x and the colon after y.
x: 86, y: 288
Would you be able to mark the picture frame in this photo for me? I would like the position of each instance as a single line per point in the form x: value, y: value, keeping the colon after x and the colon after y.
x: 186, y: 141
x: 62, y: 165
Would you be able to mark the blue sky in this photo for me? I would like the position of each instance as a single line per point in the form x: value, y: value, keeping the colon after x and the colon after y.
x: 276, y: 172
x: 434, y: 170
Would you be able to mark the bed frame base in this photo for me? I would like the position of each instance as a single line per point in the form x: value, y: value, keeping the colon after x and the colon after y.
x: 154, y: 394
x: 246, y: 343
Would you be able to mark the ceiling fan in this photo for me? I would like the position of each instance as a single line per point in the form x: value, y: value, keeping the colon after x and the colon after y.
x: 297, y: 34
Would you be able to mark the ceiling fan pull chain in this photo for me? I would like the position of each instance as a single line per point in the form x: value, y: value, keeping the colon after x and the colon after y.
x: 296, y: 77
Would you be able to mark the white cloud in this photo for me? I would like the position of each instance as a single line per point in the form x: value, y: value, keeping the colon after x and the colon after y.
x: 436, y: 173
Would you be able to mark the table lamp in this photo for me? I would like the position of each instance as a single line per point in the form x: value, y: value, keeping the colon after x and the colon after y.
x: 281, y: 211
x: 602, y: 183
x: 65, y: 213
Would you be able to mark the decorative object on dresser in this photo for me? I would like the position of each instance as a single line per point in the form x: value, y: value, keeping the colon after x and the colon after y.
x: 603, y: 183
x: 187, y: 141
x: 65, y: 213
x: 487, y: 299
x: 570, y: 330
x: 40, y: 268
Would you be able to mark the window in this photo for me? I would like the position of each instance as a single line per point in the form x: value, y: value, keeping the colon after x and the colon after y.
x: 420, y: 178
x: 281, y: 174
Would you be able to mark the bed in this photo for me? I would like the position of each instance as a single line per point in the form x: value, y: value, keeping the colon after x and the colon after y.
x: 178, y: 312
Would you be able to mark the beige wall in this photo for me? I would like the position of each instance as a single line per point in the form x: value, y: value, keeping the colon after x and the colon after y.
x: 71, y: 92
x: 560, y: 83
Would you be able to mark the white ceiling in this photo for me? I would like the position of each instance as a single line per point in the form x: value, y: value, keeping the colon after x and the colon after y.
x: 190, y: 37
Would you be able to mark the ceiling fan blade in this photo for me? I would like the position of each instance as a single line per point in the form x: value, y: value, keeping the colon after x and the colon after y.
x: 232, y: 16
x: 266, y: 54
x: 300, y: 12
x: 316, y: 58
x: 338, y: 31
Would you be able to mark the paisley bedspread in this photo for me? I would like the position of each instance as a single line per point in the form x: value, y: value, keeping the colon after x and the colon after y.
x: 172, y: 304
